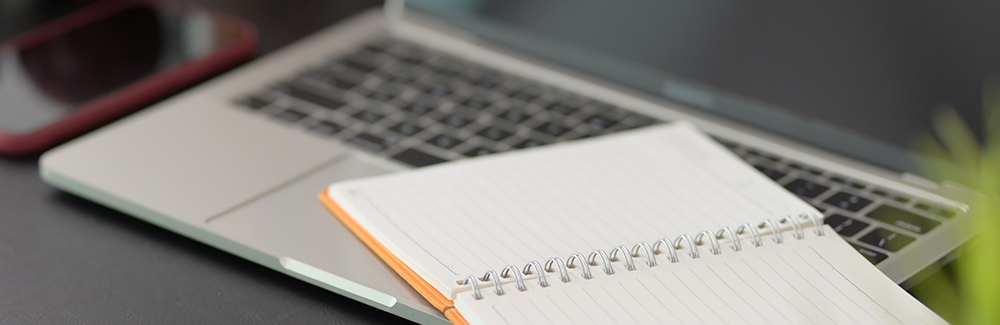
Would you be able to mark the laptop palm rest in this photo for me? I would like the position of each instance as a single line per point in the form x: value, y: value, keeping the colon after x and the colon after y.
x: 245, y: 191
x: 290, y: 224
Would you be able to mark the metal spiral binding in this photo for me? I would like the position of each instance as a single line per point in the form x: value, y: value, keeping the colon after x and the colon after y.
x: 542, y: 282
x: 671, y: 246
x: 756, y: 240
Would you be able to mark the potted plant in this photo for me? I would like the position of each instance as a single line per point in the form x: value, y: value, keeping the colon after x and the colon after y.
x: 972, y: 295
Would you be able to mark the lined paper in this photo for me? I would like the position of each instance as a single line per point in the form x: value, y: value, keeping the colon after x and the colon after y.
x: 817, y: 280
x: 463, y: 218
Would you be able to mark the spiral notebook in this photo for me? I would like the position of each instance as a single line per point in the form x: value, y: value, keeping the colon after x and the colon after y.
x: 656, y: 225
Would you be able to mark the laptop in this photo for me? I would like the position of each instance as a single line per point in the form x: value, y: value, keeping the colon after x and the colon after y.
x: 823, y: 98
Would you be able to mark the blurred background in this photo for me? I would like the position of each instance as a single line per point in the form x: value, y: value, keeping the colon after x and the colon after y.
x: 67, y: 260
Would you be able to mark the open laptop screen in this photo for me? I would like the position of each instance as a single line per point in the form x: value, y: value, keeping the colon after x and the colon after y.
x: 861, y: 79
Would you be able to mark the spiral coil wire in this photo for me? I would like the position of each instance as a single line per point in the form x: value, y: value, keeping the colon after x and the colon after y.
x: 671, y: 246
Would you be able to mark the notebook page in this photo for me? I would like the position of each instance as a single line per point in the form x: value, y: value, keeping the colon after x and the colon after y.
x: 463, y: 218
x: 817, y: 280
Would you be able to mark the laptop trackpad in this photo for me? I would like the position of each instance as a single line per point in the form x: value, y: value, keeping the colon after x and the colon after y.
x: 291, y: 223
x: 190, y: 161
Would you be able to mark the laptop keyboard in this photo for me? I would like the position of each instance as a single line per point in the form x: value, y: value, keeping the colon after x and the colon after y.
x: 877, y: 222
x: 422, y: 107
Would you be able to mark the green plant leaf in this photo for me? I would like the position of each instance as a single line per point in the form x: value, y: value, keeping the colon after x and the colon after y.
x: 960, y: 143
x: 978, y: 285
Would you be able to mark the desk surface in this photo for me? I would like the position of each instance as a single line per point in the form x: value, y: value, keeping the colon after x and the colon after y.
x: 67, y: 260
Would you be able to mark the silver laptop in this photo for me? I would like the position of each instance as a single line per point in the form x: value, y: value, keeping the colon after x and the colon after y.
x: 237, y: 163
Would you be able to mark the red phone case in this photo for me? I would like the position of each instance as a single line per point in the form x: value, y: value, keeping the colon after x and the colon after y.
x: 131, y: 96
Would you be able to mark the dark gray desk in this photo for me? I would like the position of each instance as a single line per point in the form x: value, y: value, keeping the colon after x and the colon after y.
x: 66, y: 260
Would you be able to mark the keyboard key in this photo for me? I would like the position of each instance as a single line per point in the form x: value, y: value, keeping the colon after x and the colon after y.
x: 494, y: 134
x: 599, y: 122
x: 368, y: 116
x: 363, y: 61
x: 444, y: 141
x: 845, y: 226
x: 903, y: 219
x: 771, y: 173
x: 344, y: 82
x: 512, y: 86
x: 574, y: 136
x: 417, y: 158
x: 339, y: 65
x: 935, y: 210
x: 439, y: 90
x: 455, y: 120
x: 476, y: 103
x: 729, y: 144
x: 280, y: 88
x: 552, y: 129
x: 345, y: 79
x: 891, y: 196
x: 770, y: 157
x: 407, y: 128
x: 514, y: 115
x: 528, y: 93
x: 847, y: 182
x: 303, y: 93
x: 327, y: 128
x: 337, y: 74
x: 530, y: 143
x: 806, y: 188
x: 372, y: 142
x: 848, y: 201
x: 807, y: 169
x: 415, y: 60
x: 381, y: 45
x: 419, y: 108
x: 290, y: 115
x: 413, y: 56
x: 448, y: 67
x: 818, y: 208
x: 609, y: 111
x: 476, y: 73
x: 384, y: 94
x: 561, y: 108
x: 886, y: 239
x: 636, y: 121
x: 254, y: 102
x: 479, y: 151
x: 401, y: 77
x: 490, y: 81
x: 873, y: 256
x: 363, y: 91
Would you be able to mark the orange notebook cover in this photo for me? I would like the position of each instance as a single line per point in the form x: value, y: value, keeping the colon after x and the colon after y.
x: 436, y: 299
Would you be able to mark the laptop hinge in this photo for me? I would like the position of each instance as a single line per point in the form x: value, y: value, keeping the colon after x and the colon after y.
x: 919, y: 181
